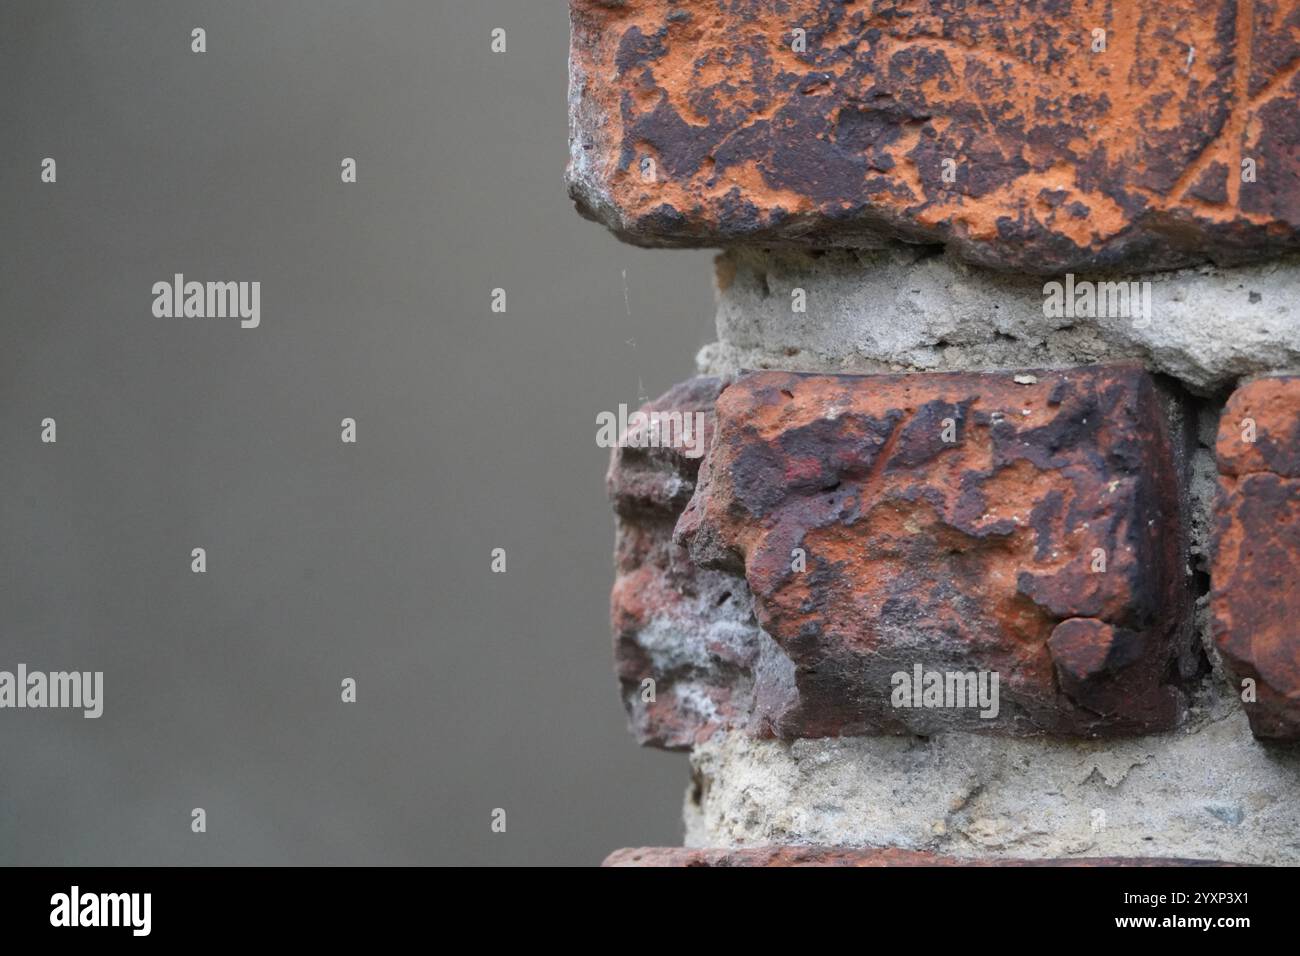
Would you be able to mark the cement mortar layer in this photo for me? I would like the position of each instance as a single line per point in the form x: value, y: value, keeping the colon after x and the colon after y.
x: 910, y: 309
x: 1210, y: 791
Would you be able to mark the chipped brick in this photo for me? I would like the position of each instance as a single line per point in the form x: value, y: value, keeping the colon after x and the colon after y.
x: 1042, y: 543
x: 1255, y: 601
x: 701, y: 124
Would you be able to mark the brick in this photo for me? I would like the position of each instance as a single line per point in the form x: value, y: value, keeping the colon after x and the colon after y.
x: 685, y: 628
x: 1063, y: 158
x: 1255, y: 602
x: 1043, y: 543
x: 852, y: 856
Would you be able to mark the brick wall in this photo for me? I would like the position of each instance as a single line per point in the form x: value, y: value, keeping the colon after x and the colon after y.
x: 949, y: 499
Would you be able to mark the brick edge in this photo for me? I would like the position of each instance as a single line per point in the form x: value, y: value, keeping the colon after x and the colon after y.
x: 778, y: 856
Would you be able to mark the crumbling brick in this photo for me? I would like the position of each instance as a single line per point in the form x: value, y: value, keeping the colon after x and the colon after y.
x: 954, y: 523
x: 1255, y: 600
x: 985, y: 527
x: 1039, y: 139
x: 685, y: 643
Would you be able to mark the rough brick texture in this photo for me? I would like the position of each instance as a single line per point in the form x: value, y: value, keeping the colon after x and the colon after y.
x: 978, y: 550
x: 702, y: 123
x: 669, y: 618
x: 954, y: 521
x: 850, y: 856
x: 1255, y: 599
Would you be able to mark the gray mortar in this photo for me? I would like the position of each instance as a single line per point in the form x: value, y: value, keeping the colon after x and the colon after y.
x: 1209, y: 792
x: 906, y: 309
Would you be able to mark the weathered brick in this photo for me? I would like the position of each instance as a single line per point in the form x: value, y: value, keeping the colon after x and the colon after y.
x: 1255, y: 601
x: 685, y: 628
x: 1062, y: 157
x: 851, y: 856
x: 959, y: 522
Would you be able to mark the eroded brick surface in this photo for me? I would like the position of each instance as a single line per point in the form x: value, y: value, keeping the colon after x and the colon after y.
x: 955, y: 522
x: 1062, y: 157
x: 959, y: 522
x: 687, y: 629
x: 851, y: 856
x: 1255, y: 599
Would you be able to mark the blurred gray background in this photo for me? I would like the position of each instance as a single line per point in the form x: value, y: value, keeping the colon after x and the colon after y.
x: 325, y: 560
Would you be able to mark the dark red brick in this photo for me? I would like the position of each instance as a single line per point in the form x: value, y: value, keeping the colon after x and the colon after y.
x: 977, y: 554
x: 1064, y: 158
x: 1255, y: 601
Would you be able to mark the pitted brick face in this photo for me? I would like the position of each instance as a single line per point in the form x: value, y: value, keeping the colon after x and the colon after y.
x: 994, y: 128
x: 1255, y: 599
x: 686, y: 630
x: 954, y: 523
